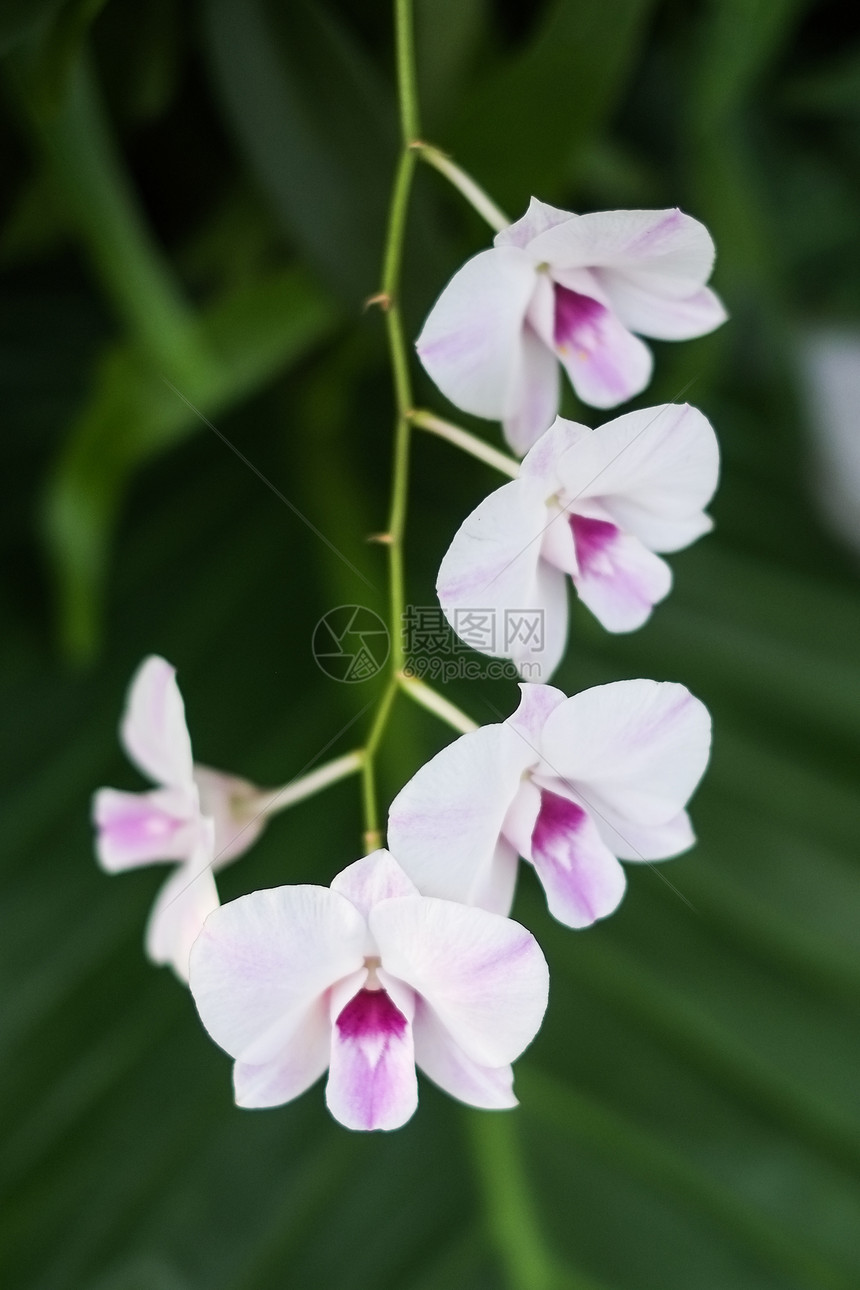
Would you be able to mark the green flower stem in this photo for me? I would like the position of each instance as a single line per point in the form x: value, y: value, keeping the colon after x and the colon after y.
x: 428, y: 698
x: 381, y: 719
x: 407, y: 80
x: 372, y: 836
x: 278, y: 799
x: 388, y: 299
x: 372, y: 833
x: 465, y: 184
x: 83, y: 159
x: 467, y: 442
x: 403, y: 396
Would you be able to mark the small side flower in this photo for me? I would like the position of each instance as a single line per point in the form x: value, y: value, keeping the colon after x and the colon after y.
x: 193, y: 817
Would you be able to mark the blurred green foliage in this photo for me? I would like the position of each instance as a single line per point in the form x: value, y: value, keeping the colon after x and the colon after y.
x: 195, y: 194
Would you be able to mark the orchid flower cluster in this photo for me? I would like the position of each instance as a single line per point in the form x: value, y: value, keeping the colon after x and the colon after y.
x: 410, y: 959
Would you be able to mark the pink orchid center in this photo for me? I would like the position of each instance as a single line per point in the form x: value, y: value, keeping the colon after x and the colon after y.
x: 558, y: 817
x: 142, y: 823
x: 571, y: 862
x: 593, y: 540
x: 372, y: 1021
x: 577, y: 322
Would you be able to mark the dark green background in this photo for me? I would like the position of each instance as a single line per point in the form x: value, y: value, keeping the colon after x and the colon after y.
x: 690, y: 1113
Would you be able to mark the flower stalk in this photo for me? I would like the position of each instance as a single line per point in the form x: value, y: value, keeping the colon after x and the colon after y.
x: 428, y: 698
x: 465, y: 184
x: 389, y: 298
x: 469, y: 443
x: 296, y: 790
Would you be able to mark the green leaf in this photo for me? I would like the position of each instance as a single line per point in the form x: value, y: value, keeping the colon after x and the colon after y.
x: 22, y: 18
x: 523, y: 125
x: 728, y: 69
x: 317, y: 126
x: 136, y: 412
x: 448, y: 35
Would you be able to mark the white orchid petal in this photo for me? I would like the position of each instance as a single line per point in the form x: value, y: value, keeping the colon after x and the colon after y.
x: 653, y: 471
x: 535, y: 401
x: 401, y: 995
x: 537, y: 219
x: 372, y: 1082
x: 535, y: 663
x: 494, y: 890
x: 557, y: 545
x: 536, y: 703
x: 521, y: 817
x: 436, y: 1054
x: 491, y: 563
x: 664, y: 534
x: 181, y: 908
x: 582, y: 879
x: 672, y: 247
x: 445, y: 823
x: 262, y: 960
x: 542, y: 462
x: 471, y: 343
x: 648, y: 842
x: 153, y: 729
x: 295, y: 1068
x: 375, y: 877
x: 540, y: 319
x: 644, y: 310
x: 483, y: 975
x: 494, y: 589
x: 632, y: 750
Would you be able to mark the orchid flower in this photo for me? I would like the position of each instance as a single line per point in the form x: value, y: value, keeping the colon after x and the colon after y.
x: 194, y: 816
x: 594, y: 505
x: 367, y: 978
x: 569, y: 289
x: 570, y: 784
